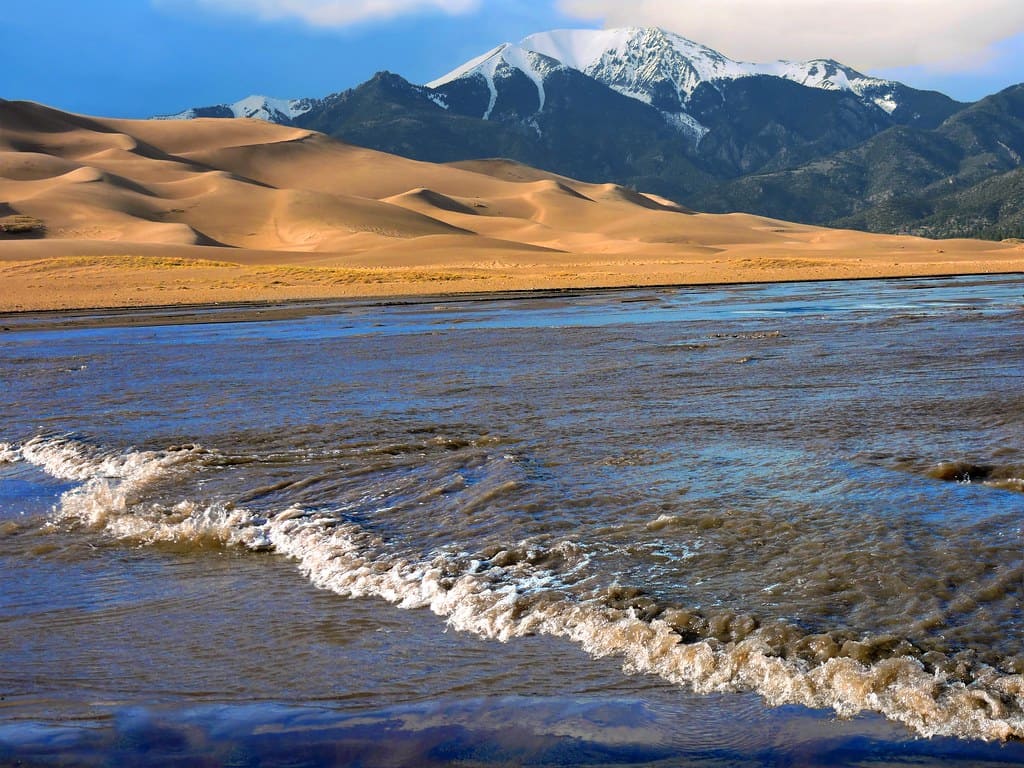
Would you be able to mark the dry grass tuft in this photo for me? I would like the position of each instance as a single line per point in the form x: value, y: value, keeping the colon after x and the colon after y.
x: 284, y: 275
x: 19, y: 225
x: 115, y: 262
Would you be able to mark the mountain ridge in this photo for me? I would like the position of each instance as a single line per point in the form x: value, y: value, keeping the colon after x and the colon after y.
x: 650, y: 64
x: 816, y: 142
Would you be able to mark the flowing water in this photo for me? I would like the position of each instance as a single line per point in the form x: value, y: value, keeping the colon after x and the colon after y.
x: 757, y: 524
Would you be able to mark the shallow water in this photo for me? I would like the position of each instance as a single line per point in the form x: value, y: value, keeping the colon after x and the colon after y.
x: 791, y: 496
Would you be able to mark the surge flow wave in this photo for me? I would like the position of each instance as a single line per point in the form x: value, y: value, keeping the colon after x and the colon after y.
x: 525, y: 588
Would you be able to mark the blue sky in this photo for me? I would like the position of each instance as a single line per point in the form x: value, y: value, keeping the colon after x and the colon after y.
x: 136, y: 58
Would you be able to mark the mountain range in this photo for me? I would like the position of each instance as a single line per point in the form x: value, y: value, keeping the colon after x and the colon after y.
x: 815, y: 142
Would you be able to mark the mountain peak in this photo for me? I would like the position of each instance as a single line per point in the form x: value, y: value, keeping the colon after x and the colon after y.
x: 471, y: 67
x: 652, y: 63
x: 526, y: 60
x: 681, y: 79
x: 501, y: 64
x: 256, y: 107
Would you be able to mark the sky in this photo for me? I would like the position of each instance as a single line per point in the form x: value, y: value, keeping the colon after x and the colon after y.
x: 138, y: 58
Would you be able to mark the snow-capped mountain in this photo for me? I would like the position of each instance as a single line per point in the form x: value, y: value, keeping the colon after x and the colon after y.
x: 256, y: 107
x: 813, y: 141
x: 657, y: 67
x: 686, y: 82
x: 638, y: 106
x: 676, y: 76
x: 502, y: 64
x: 640, y: 62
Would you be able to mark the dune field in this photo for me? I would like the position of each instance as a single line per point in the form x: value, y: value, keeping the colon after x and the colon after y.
x: 119, y: 213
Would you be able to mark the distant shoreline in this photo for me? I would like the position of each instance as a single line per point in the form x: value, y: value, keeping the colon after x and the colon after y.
x: 264, y: 310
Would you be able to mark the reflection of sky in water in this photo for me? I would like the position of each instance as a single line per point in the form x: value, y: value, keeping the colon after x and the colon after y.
x: 860, y: 300
x: 747, y: 448
x: 27, y: 491
x: 491, y: 732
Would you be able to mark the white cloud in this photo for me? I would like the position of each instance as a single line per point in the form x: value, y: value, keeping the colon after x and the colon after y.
x: 336, y: 13
x: 868, y: 34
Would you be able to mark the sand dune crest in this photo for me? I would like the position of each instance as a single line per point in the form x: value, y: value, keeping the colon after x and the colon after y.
x: 300, y: 215
x: 428, y: 198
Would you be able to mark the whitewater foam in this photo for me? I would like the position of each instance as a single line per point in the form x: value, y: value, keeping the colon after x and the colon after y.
x: 533, y: 588
x: 514, y: 601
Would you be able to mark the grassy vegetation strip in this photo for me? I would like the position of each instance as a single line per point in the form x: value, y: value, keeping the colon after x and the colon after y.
x: 287, y: 275
x: 276, y: 274
x: 18, y: 224
x: 113, y: 262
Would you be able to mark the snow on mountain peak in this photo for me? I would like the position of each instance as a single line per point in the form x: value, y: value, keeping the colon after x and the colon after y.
x: 579, y: 48
x: 500, y: 63
x: 636, y: 61
x: 586, y: 49
x: 264, y: 107
x: 653, y: 65
x: 488, y: 61
x: 256, y: 107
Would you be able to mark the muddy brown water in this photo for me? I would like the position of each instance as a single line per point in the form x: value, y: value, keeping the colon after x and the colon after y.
x: 642, y: 526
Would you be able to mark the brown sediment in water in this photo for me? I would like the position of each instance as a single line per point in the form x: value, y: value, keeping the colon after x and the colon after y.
x: 817, y: 565
x: 511, y: 592
x: 1008, y: 476
x: 150, y: 213
x: 993, y: 472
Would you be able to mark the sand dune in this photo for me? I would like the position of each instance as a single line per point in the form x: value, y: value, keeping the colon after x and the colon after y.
x: 428, y: 200
x: 102, y: 212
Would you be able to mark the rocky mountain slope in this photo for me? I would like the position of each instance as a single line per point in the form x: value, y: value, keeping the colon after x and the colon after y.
x: 813, y: 141
x: 962, y: 179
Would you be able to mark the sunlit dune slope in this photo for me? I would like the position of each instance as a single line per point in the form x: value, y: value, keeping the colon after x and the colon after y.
x: 119, y: 212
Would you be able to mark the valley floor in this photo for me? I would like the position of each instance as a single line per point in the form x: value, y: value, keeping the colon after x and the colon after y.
x: 124, y: 213
x: 55, y: 274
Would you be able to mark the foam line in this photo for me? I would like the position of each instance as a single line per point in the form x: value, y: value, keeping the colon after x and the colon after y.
x: 525, y: 589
